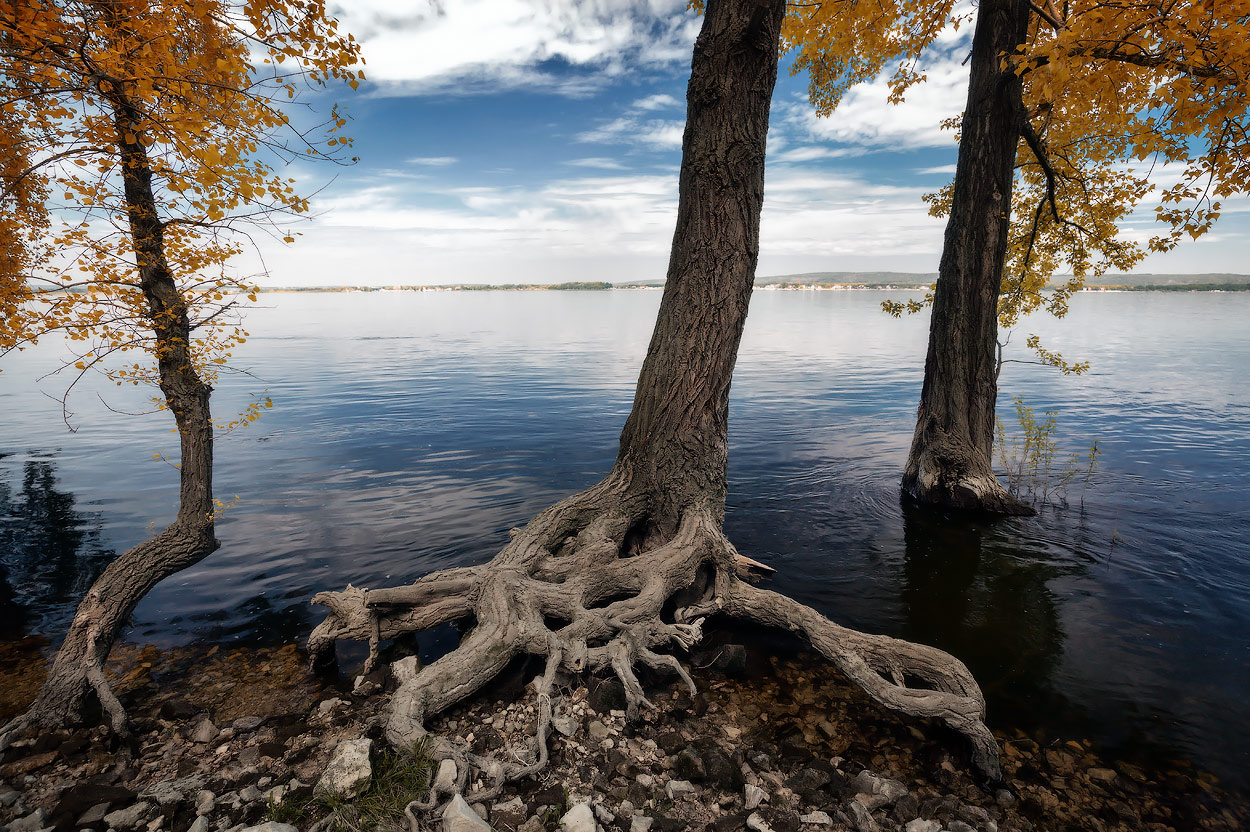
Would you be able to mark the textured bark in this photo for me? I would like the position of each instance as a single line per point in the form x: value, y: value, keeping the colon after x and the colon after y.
x: 951, y: 458
x: 586, y: 583
x: 78, y: 667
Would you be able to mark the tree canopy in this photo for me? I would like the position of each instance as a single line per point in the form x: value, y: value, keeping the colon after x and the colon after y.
x: 1123, y: 103
x: 198, y: 93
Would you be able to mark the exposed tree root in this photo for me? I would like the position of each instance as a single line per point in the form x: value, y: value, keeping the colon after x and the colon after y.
x: 569, y: 588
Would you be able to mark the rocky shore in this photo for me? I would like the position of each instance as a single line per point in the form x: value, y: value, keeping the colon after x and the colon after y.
x: 245, y: 740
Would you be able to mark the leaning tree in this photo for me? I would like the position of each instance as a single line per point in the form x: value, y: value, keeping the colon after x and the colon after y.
x: 139, y: 136
x: 587, y: 582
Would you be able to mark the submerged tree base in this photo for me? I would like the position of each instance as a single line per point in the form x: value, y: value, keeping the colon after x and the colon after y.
x: 579, y: 588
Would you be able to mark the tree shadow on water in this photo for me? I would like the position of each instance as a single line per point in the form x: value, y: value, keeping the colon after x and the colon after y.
x: 50, y: 552
x: 982, y: 595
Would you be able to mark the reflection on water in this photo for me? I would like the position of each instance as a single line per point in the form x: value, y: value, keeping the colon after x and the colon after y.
x: 990, y: 605
x: 411, y: 431
x: 49, y: 551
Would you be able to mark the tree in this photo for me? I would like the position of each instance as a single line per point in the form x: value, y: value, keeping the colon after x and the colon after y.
x: 1103, y: 95
x: 139, y: 138
x: 588, y: 583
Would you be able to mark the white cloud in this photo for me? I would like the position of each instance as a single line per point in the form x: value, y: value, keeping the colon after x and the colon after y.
x: 433, y: 161
x: 655, y: 134
x: 938, y: 170
x: 808, y: 153
x: 600, y: 162
x: 472, y: 46
x: 659, y: 101
x: 612, y: 225
x: 866, y: 120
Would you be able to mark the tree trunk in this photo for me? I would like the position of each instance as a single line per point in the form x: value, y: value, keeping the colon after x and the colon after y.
x: 675, y: 443
x: 78, y: 666
x: 590, y: 583
x: 951, y: 458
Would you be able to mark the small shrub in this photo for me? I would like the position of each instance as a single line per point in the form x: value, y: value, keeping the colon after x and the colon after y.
x: 1036, y: 471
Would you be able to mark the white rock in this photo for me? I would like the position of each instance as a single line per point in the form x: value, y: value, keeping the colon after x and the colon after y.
x: 205, y: 731
x: 640, y: 823
x: 459, y: 817
x: 516, y: 804
x: 581, y: 818
x: 883, y: 789
x: 127, y: 818
x: 199, y: 825
x: 645, y: 780
x: 566, y: 725
x: 861, y: 817
x: 205, y: 800
x: 922, y: 825
x: 602, y: 813
x: 327, y: 706
x: 676, y: 788
x: 598, y: 730
x: 33, y: 822
x: 757, y: 823
x: 271, y: 826
x: 349, y: 771
x: 754, y: 796
x: 445, y: 780
x: 817, y: 818
x: 405, y: 669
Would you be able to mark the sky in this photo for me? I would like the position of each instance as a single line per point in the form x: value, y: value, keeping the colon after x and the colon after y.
x: 539, y: 141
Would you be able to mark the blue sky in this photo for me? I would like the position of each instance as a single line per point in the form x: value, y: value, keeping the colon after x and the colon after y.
x: 507, y: 141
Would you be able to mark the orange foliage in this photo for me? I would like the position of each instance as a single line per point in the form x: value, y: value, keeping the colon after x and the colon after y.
x: 207, y: 87
x: 1121, y: 99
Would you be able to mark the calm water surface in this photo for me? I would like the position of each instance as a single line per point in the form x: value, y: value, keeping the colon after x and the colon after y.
x: 409, y: 431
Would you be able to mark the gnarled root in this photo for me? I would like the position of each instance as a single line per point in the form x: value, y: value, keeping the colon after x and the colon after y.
x: 567, y: 588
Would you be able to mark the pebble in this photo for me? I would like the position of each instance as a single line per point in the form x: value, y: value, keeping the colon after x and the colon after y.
x: 445, y: 780
x: 753, y: 795
x: 204, y: 802
x: 244, y: 724
x: 581, y: 818
x: 640, y: 823
x: 127, y: 818
x: 922, y: 825
x: 205, y: 731
x: 33, y: 822
x: 349, y: 771
x: 676, y: 788
x: 817, y: 818
x: 757, y: 823
x: 458, y: 816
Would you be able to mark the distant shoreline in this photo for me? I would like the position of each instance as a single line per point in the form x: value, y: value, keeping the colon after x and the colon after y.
x: 771, y: 287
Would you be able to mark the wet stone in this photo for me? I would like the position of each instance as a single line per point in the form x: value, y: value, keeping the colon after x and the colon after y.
x: 808, y: 780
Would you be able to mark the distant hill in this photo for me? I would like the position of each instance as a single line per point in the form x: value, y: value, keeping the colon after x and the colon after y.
x: 1131, y: 282
x: 850, y: 278
x: 1134, y: 281
x: 1171, y: 279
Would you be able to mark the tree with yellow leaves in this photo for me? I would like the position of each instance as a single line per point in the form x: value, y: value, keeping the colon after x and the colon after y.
x: 138, y: 140
x: 1076, y: 112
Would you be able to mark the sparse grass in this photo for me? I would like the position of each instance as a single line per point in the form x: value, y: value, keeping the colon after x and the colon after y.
x: 1036, y: 470
x: 551, y: 819
x: 399, y: 777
